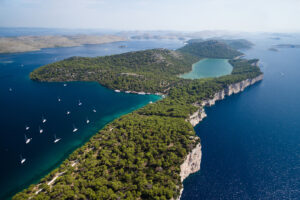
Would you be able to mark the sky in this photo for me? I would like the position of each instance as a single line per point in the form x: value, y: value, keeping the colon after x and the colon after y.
x: 180, y: 15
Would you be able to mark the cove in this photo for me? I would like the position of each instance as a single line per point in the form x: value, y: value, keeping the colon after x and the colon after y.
x: 29, y: 101
x: 208, y: 67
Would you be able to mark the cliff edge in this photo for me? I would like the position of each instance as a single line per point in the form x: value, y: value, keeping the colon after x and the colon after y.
x: 192, y: 161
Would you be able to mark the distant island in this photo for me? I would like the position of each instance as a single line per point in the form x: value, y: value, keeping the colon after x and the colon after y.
x: 288, y: 46
x: 273, y: 49
x: 148, y: 153
x: 35, y: 43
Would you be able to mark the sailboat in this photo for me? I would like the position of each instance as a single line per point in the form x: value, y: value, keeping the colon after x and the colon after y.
x: 65, y: 84
x: 87, y: 120
x: 27, y: 140
x: 74, y: 129
x: 68, y: 112
x: 59, y: 99
x: 44, y: 119
x: 94, y: 110
x: 27, y: 128
x: 41, y: 130
x: 79, y: 103
x: 22, y: 160
x: 56, y: 139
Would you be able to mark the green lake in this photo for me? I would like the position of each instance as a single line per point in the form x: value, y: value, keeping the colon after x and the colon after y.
x: 209, y: 67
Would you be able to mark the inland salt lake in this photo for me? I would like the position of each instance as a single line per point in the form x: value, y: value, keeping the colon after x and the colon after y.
x: 250, y: 141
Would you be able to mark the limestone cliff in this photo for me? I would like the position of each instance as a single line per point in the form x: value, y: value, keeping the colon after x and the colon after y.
x: 192, y: 162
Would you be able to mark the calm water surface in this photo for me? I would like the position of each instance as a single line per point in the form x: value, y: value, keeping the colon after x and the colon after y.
x: 209, y: 67
x: 29, y: 101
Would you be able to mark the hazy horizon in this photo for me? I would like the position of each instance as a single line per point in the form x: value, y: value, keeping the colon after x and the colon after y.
x: 153, y: 15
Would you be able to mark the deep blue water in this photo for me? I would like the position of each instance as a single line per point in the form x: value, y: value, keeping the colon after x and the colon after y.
x: 29, y: 101
x: 251, y: 141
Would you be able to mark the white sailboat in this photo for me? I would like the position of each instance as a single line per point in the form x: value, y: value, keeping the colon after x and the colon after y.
x: 56, y: 139
x: 94, y: 110
x: 27, y: 140
x: 74, y: 129
x: 65, y: 84
x: 41, y: 130
x: 44, y: 119
x: 27, y: 128
x: 87, y: 120
x: 22, y: 160
x: 79, y: 103
x: 68, y: 112
x: 58, y: 99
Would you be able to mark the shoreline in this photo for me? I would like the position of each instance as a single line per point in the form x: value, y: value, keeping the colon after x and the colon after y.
x: 192, y: 161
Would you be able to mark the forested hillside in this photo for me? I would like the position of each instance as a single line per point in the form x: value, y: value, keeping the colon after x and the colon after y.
x: 137, y: 156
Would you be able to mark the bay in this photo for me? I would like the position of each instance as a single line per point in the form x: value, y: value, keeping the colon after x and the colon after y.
x: 24, y: 103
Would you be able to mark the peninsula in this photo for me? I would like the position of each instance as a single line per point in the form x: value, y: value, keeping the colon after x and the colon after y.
x: 148, y: 153
x: 35, y: 43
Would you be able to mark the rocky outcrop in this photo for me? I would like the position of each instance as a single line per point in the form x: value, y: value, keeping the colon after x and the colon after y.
x: 234, y: 88
x: 192, y: 162
x: 196, y: 117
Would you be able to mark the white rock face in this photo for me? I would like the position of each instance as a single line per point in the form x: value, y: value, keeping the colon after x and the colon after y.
x: 192, y: 162
x: 195, y: 118
x: 235, y: 88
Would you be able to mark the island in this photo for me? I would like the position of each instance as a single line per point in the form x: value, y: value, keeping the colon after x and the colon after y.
x: 237, y: 44
x: 35, y: 43
x: 148, y: 153
x: 273, y: 49
x: 288, y: 46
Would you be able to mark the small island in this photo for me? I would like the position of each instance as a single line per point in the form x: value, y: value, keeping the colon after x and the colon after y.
x: 35, y: 43
x: 288, y: 46
x: 273, y: 49
x: 148, y: 153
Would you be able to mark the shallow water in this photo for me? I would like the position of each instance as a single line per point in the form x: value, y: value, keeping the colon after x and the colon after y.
x: 209, y: 67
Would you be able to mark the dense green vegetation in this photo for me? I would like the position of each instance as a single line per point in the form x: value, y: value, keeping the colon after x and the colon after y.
x: 151, y: 70
x: 137, y: 156
x: 210, y: 49
x: 235, y: 44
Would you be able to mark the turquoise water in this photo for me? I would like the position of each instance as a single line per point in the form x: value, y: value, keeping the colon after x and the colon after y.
x: 251, y: 141
x: 209, y: 67
x: 29, y: 101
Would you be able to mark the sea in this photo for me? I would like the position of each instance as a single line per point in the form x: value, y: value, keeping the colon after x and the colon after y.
x: 250, y: 141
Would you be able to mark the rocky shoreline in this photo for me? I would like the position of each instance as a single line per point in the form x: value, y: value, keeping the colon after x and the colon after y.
x: 192, y: 162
